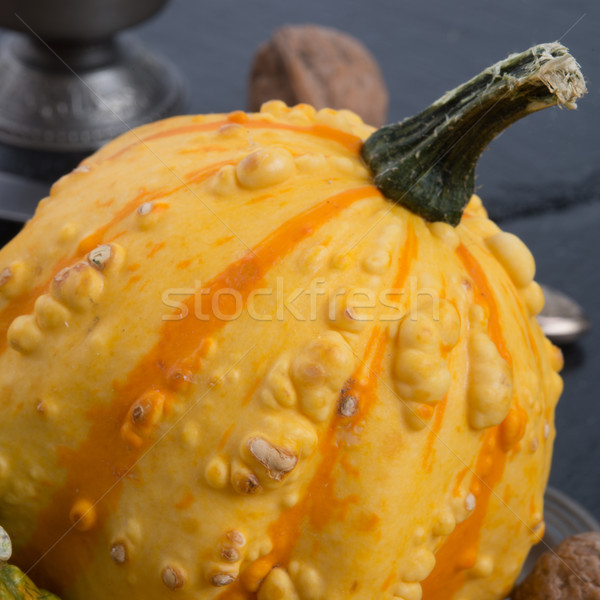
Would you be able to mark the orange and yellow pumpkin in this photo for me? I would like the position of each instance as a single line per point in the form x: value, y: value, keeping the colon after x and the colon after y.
x: 232, y: 368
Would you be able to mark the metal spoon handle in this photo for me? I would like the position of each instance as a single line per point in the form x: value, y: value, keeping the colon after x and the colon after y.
x: 562, y: 320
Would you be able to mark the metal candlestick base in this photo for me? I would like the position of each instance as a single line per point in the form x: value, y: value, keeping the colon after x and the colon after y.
x: 92, y: 93
x: 68, y: 83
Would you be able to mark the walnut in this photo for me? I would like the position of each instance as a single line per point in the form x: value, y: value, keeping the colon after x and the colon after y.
x: 319, y: 66
x: 571, y: 572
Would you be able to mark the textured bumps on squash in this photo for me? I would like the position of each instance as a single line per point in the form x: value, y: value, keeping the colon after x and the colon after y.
x: 253, y: 376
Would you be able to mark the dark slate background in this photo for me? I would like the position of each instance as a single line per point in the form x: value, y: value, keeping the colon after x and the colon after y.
x: 541, y: 178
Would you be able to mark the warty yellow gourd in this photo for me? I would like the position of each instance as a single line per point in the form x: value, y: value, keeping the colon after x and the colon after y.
x: 236, y: 364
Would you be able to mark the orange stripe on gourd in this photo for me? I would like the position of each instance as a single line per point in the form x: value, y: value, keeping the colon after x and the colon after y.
x: 347, y: 140
x: 320, y: 503
x: 459, y: 551
x: 432, y: 435
x: 96, y: 467
x: 485, y: 297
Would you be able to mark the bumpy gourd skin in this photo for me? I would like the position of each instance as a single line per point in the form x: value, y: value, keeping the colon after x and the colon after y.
x: 385, y: 445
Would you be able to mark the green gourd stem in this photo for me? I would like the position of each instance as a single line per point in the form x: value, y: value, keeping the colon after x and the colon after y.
x: 427, y: 162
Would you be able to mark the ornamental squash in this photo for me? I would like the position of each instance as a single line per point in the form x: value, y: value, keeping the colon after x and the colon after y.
x: 15, y: 585
x: 248, y: 356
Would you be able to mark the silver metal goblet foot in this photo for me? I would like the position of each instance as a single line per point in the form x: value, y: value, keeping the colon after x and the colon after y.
x: 69, y: 83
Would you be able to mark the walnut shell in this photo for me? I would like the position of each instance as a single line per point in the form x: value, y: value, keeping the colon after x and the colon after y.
x: 319, y: 66
x: 571, y: 572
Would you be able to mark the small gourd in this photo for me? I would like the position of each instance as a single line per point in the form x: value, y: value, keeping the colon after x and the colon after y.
x: 14, y: 584
x: 281, y: 355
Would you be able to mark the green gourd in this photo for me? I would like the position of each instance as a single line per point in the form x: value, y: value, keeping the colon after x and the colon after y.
x: 15, y: 585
